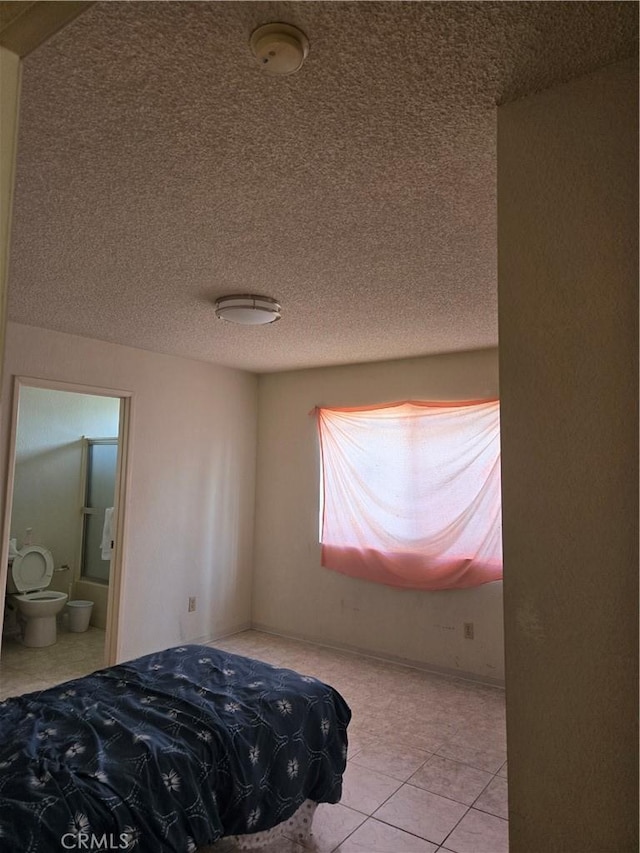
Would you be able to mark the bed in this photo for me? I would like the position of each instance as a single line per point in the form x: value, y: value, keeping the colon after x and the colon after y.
x: 169, y: 752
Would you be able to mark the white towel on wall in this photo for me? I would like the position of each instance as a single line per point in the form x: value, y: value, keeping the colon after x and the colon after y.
x: 106, y: 546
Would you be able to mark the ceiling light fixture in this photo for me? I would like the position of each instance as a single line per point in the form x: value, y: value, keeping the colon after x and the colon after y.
x: 279, y: 48
x: 248, y: 310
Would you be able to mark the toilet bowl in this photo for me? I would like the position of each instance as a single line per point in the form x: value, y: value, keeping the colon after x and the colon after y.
x: 29, y: 576
x: 39, y: 611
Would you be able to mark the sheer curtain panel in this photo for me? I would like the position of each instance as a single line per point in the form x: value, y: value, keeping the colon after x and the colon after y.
x: 410, y: 493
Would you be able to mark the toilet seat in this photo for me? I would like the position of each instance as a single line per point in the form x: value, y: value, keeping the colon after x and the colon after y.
x: 32, y: 569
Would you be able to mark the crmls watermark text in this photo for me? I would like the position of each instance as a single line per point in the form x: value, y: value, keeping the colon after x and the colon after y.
x: 89, y: 841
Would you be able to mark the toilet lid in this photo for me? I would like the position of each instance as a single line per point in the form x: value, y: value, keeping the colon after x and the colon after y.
x: 32, y: 568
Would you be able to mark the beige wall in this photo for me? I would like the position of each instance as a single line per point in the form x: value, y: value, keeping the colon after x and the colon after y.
x: 10, y: 74
x: 190, y: 505
x: 292, y: 593
x: 568, y: 263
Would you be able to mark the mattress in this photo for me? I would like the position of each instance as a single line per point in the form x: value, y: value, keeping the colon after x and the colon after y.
x: 166, y: 753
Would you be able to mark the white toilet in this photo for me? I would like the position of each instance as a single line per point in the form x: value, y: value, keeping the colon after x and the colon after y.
x: 29, y: 576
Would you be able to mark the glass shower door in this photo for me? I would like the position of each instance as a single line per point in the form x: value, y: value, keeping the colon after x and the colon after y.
x: 100, y: 485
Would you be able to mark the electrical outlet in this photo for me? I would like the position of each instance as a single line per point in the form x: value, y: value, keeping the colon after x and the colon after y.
x: 192, y: 603
x: 468, y: 630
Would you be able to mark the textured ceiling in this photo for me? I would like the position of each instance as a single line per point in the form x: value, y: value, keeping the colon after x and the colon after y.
x: 158, y: 168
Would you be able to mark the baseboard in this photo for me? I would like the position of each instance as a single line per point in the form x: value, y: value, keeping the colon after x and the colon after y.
x: 446, y: 672
x: 221, y: 635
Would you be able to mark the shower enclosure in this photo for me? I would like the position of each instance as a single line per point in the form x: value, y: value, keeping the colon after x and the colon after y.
x: 99, y: 483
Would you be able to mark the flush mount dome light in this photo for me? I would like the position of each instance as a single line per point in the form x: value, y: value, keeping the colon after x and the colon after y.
x: 248, y: 310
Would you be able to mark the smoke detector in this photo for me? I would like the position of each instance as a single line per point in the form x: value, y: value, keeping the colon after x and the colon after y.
x: 279, y: 48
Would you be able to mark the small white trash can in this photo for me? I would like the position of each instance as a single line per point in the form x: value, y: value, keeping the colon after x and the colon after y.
x: 79, y: 615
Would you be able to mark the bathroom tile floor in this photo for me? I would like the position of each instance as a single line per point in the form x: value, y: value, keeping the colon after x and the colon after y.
x: 427, y: 765
x: 23, y: 669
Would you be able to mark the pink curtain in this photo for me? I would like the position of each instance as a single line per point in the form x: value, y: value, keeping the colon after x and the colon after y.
x: 411, y: 493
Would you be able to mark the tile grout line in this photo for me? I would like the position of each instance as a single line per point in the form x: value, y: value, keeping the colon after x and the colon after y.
x: 468, y: 806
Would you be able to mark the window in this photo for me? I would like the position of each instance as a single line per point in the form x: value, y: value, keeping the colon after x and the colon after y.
x: 410, y: 493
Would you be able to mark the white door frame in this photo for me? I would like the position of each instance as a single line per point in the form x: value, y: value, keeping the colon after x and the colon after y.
x: 123, y: 478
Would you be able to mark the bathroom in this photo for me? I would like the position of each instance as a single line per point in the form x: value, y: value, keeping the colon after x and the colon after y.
x: 66, y: 447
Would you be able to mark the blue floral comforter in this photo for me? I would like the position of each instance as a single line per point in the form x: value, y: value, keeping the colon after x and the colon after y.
x: 165, y: 753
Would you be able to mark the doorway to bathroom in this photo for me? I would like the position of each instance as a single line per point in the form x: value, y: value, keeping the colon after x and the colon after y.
x: 66, y: 496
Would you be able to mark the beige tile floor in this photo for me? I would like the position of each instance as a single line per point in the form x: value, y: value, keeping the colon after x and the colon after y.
x: 427, y: 756
x: 23, y: 670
